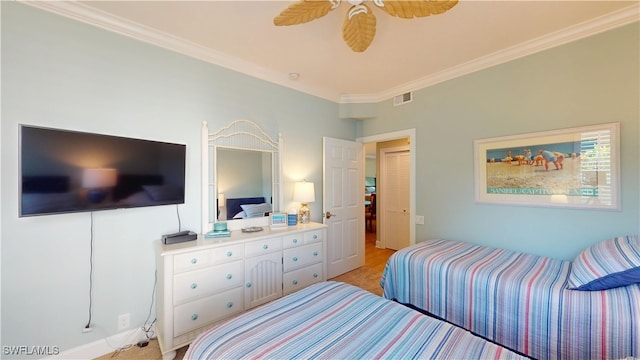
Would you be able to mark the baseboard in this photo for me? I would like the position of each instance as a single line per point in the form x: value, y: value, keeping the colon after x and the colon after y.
x: 103, y: 346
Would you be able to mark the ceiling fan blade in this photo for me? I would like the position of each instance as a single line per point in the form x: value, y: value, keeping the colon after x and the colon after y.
x: 359, y: 28
x: 303, y: 11
x: 408, y: 9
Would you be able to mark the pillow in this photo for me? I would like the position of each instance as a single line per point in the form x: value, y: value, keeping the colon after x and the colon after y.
x: 255, y: 210
x: 608, y: 264
x: 240, y: 215
x: 163, y: 192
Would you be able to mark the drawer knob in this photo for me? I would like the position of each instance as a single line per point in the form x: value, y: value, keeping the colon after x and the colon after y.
x: 295, y: 241
x: 295, y: 258
x: 194, y: 285
x: 229, y: 276
x: 295, y: 282
x: 315, y: 237
x: 194, y: 260
x: 248, y: 285
x: 265, y: 246
x: 194, y: 317
x: 229, y: 254
x: 315, y: 275
x: 315, y: 253
x: 229, y: 304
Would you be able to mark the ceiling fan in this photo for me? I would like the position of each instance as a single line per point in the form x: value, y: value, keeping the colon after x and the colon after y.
x: 359, y: 26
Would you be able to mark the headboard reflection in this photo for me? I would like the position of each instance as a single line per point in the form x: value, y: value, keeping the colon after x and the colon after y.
x: 234, y: 206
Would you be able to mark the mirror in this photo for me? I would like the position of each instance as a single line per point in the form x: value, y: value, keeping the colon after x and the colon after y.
x: 239, y: 161
x: 242, y: 174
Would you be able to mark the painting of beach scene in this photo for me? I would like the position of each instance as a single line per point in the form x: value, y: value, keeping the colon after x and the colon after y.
x: 570, y: 168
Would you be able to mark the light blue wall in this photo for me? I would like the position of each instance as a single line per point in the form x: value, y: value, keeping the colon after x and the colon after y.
x: 591, y: 81
x: 64, y: 74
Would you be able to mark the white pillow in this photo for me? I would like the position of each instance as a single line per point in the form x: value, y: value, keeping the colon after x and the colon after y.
x: 255, y: 210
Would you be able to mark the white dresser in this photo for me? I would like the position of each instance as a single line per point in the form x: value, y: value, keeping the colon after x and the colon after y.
x: 204, y: 281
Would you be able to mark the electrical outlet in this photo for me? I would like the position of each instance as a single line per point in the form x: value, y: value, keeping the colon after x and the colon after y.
x: 419, y: 220
x: 124, y: 321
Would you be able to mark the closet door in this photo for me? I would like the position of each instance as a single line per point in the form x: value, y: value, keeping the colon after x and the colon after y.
x: 394, y: 204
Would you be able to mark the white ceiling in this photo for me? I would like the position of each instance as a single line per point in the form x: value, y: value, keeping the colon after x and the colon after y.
x: 405, y: 55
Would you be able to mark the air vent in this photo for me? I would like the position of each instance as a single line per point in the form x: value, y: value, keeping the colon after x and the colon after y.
x: 402, y: 99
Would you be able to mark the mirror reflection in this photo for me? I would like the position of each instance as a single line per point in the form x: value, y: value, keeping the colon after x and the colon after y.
x: 244, y: 183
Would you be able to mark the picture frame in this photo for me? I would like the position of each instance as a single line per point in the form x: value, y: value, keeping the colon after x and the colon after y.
x: 568, y: 168
x: 278, y: 220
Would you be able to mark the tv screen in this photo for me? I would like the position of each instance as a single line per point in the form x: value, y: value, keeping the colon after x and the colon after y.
x: 65, y: 171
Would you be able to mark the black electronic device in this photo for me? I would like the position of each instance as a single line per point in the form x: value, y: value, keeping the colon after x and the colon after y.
x: 65, y: 171
x: 179, y: 237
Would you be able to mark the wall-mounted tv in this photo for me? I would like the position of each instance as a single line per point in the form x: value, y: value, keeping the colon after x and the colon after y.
x: 65, y: 171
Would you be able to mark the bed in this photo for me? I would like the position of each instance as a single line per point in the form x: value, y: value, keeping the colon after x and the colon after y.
x: 545, y: 308
x: 339, y: 321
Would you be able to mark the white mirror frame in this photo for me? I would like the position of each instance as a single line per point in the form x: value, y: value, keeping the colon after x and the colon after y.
x: 240, y: 134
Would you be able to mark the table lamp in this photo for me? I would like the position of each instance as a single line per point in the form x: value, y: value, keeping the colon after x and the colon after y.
x: 304, y: 193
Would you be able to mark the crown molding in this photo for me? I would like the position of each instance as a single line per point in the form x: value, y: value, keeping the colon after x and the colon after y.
x: 88, y: 15
x: 601, y: 24
x: 92, y: 16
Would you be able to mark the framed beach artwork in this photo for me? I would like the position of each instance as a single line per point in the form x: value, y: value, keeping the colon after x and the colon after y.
x: 576, y: 168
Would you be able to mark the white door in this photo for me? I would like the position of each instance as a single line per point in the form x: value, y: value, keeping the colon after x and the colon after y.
x: 394, y: 198
x: 343, y: 204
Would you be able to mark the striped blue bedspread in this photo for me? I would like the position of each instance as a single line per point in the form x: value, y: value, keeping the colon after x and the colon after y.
x: 518, y: 300
x: 333, y: 320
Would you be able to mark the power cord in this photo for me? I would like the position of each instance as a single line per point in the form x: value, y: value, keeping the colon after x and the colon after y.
x: 147, y: 327
x: 179, y: 223
x: 87, y: 327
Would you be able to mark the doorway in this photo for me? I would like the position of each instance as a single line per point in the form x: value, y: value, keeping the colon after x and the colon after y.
x: 343, y: 200
x: 399, y: 216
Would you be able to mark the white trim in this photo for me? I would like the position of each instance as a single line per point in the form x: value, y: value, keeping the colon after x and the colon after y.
x: 103, y: 346
x: 86, y: 14
x: 402, y: 134
x: 601, y: 24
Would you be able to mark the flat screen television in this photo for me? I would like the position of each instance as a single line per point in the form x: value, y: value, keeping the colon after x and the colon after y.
x: 64, y: 171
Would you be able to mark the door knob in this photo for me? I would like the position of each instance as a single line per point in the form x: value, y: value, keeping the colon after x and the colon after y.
x: 328, y: 215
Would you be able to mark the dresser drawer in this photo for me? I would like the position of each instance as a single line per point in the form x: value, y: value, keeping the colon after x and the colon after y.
x: 208, y: 281
x: 313, y: 236
x: 301, y: 256
x: 198, y: 313
x: 299, y: 279
x: 293, y: 240
x: 227, y: 253
x: 264, y: 246
x: 191, y: 261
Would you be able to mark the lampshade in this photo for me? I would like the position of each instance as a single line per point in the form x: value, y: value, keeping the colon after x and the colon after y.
x: 304, y: 192
x: 99, y: 178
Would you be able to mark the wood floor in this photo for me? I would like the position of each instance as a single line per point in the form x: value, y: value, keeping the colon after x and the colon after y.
x: 366, y: 277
